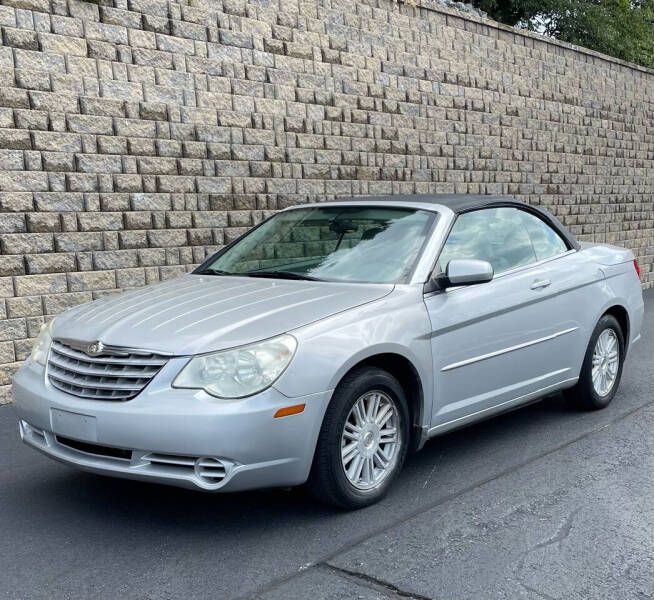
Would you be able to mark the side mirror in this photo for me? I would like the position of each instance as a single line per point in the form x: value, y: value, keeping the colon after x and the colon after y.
x: 464, y: 271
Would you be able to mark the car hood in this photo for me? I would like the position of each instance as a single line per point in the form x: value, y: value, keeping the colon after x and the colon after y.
x: 203, y: 313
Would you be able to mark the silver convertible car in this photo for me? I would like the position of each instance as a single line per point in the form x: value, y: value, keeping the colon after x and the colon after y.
x: 328, y: 342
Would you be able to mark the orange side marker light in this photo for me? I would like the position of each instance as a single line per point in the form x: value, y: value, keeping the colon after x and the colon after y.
x: 287, y: 411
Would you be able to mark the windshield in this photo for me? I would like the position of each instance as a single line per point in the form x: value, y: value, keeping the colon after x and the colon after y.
x: 352, y: 243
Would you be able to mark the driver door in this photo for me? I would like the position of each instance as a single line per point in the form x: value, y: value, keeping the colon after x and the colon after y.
x: 495, y: 343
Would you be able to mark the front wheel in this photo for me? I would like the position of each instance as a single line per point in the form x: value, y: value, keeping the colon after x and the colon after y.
x: 602, y: 368
x: 363, y: 440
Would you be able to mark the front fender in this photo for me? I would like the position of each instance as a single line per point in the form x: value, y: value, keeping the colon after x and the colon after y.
x: 328, y: 349
x: 376, y: 350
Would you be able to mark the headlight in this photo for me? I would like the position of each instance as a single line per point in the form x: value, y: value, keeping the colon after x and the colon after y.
x: 42, y: 343
x: 241, y: 371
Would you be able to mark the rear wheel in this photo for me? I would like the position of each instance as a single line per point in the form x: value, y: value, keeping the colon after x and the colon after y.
x: 602, y: 368
x: 363, y: 440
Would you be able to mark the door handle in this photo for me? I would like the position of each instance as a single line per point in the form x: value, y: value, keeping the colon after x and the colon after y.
x: 540, y: 283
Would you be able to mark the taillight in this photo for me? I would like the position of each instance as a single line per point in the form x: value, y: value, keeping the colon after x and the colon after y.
x: 637, y: 268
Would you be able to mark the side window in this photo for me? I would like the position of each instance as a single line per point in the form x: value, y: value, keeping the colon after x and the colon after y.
x: 546, y: 241
x: 497, y: 235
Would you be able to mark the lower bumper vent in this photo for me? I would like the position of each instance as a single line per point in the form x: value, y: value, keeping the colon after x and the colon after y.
x: 210, y: 470
x: 206, y: 472
x: 95, y: 449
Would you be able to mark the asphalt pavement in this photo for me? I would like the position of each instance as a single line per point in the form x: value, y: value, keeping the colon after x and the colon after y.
x: 541, y: 503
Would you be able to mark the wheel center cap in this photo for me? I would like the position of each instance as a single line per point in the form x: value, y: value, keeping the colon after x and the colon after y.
x: 368, y: 439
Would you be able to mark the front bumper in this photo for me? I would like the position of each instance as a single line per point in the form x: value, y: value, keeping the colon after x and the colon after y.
x: 174, y: 436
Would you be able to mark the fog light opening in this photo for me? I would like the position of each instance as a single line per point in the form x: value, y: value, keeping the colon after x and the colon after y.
x: 210, y: 470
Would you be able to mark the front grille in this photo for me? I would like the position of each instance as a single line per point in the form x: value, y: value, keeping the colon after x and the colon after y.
x: 115, y: 374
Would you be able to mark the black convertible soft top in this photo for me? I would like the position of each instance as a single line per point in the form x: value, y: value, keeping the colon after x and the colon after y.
x: 461, y: 203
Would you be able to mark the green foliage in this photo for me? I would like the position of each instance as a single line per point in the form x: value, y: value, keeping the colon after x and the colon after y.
x: 621, y: 28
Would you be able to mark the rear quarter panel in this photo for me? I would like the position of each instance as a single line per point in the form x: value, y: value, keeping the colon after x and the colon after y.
x: 621, y: 283
x: 618, y: 285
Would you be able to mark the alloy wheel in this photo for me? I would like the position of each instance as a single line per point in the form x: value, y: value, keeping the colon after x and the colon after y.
x: 606, y: 361
x: 371, y: 440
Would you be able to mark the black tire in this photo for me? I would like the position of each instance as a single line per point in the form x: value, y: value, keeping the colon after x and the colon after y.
x: 328, y: 481
x: 583, y: 395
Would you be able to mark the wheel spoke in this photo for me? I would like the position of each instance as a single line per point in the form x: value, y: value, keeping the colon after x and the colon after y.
x: 349, y: 452
x: 353, y: 427
x: 380, y: 459
x: 359, y: 415
x: 388, y: 435
x: 368, y: 470
x: 354, y: 470
x: 383, y: 411
x: 606, y: 340
x: 381, y: 422
x: 367, y: 406
x: 373, y: 407
x: 596, y: 375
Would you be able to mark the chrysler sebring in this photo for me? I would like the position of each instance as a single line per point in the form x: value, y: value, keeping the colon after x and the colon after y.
x: 328, y: 342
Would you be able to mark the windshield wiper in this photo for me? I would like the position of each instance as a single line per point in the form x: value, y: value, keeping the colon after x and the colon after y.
x: 209, y: 271
x: 282, y: 275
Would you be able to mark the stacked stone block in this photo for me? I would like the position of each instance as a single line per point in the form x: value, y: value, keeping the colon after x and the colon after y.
x: 137, y: 136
